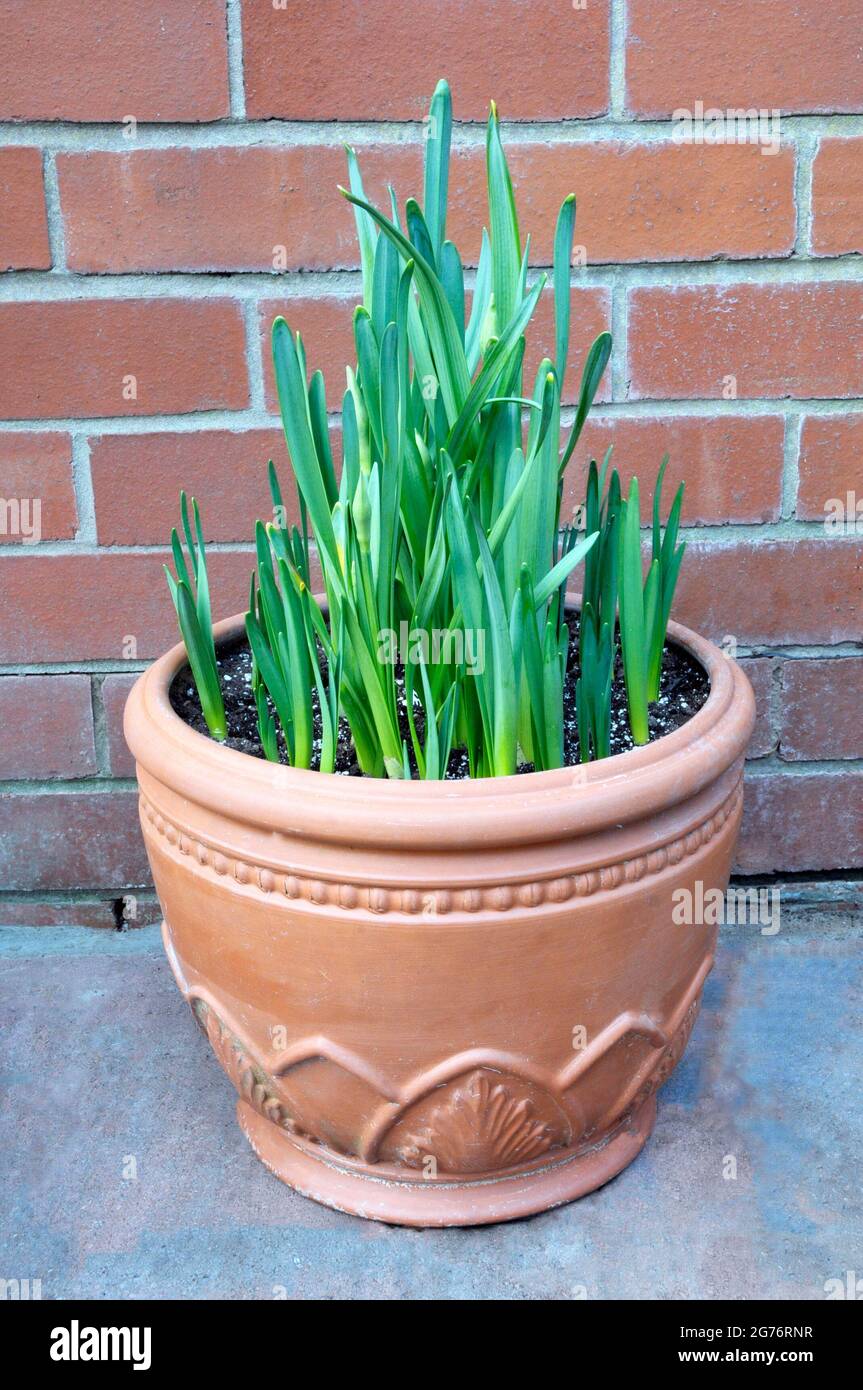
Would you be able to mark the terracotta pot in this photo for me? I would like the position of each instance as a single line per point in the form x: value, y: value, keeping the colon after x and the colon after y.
x: 442, y: 1003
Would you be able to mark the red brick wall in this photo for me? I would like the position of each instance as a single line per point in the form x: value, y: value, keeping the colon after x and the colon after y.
x: 155, y: 155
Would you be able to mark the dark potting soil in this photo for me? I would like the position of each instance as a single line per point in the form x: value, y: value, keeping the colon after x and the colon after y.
x: 684, y: 689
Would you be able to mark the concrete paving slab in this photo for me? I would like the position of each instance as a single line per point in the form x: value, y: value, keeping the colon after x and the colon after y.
x: 125, y: 1174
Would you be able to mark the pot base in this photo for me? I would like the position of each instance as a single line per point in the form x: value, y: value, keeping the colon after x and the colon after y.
x: 444, y: 1204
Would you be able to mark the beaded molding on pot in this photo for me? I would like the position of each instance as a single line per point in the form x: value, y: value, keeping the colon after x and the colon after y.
x: 439, y: 901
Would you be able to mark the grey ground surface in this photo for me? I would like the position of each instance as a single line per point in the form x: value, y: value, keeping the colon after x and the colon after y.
x: 101, y: 1063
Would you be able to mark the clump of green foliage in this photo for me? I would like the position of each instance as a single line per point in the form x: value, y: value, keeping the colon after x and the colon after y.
x: 445, y: 516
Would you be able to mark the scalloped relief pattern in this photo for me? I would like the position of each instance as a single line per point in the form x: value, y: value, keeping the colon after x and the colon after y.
x: 251, y: 1083
x: 671, y: 1056
x: 486, y: 1120
x: 420, y: 901
x: 479, y: 1128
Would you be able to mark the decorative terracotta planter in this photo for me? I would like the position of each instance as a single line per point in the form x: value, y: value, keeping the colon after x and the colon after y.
x: 442, y: 1003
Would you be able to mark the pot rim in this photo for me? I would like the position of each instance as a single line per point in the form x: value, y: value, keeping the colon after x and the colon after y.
x: 517, y: 809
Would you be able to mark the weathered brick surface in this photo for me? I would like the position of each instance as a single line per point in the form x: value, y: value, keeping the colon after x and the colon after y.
x: 806, y: 822
x: 222, y: 209
x: 773, y: 340
x: 23, y: 218
x: 326, y: 325
x: 85, y: 607
x: 831, y: 448
x: 65, y: 840
x: 106, y: 357
x: 137, y: 477
x: 114, y: 694
x: 731, y: 465
x: 46, y: 727
x: 762, y: 672
x: 774, y: 592
x: 348, y: 60
x: 822, y: 705
x: 837, y: 197
x: 36, y: 468
x: 740, y: 292
x: 639, y: 202
x: 106, y: 60
x: 798, y: 55
x: 267, y: 208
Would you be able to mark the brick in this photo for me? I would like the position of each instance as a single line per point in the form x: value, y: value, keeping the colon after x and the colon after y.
x: 822, y: 702
x: 761, y: 672
x: 23, y: 217
x: 837, y: 197
x: 656, y: 202
x: 799, y: 822
x: 106, y: 60
x: 777, y: 340
x: 256, y: 208
x: 137, y: 480
x: 773, y: 592
x: 732, y: 465
x: 326, y: 324
x: 803, y: 56
x: 590, y: 314
x: 66, y: 840
x: 232, y: 209
x: 74, y: 358
x: 46, y: 727
x: 37, y: 466
x: 355, y: 61
x: 83, y: 607
x: 114, y: 694
x: 831, y: 447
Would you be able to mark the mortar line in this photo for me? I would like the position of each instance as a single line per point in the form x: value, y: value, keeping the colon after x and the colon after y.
x: 100, y: 725
x: 801, y: 651
x: 52, y: 286
x: 262, y: 418
x: 68, y: 786
x: 254, y: 356
x: 774, y: 706
x: 114, y: 667
x: 78, y: 137
x: 70, y: 896
x: 82, y: 482
x: 840, y: 651
x: 54, y: 214
x: 236, y: 81
x: 620, y: 341
x: 772, y: 764
x: 716, y: 406
x: 791, y: 464
x: 807, y: 148
x: 712, y: 535
x: 617, y: 34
